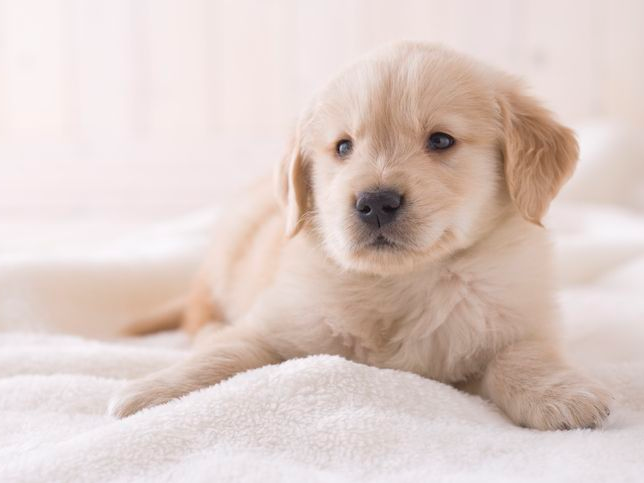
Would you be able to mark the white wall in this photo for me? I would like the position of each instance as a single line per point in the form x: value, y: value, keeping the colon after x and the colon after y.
x: 142, y: 109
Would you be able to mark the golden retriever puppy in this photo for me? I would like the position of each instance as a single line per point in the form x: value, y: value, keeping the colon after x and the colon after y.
x: 406, y: 234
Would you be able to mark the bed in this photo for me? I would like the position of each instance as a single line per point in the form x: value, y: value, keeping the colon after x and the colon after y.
x: 321, y: 418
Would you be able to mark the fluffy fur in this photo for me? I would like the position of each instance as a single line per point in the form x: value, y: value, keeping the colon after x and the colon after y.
x: 463, y: 294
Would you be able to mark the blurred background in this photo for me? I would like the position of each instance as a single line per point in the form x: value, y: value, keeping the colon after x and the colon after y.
x: 124, y: 123
x: 122, y: 112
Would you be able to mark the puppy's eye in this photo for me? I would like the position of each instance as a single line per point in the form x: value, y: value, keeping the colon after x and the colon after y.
x: 344, y: 147
x: 438, y: 141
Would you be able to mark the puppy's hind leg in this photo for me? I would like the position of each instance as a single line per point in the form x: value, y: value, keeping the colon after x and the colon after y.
x: 168, y: 317
x: 233, y: 349
x: 202, y: 310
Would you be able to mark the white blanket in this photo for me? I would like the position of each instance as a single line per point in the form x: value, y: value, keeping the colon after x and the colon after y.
x: 320, y: 418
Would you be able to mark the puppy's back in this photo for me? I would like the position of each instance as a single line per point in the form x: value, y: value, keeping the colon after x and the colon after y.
x: 244, y: 257
x: 246, y: 251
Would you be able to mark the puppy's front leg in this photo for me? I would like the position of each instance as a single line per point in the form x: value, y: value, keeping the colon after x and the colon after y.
x: 532, y: 384
x: 231, y: 350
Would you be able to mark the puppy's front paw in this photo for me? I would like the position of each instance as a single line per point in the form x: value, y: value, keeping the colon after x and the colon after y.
x: 136, y: 396
x: 566, y: 406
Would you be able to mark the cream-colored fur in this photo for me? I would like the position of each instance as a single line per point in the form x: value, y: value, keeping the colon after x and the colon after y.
x: 464, y: 296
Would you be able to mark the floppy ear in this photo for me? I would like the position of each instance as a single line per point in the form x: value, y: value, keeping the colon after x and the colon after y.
x: 292, y: 187
x: 539, y: 154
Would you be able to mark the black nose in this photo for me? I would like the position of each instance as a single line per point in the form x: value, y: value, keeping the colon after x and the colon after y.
x: 378, y: 208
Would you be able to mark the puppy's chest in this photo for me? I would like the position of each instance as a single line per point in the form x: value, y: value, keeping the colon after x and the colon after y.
x: 444, y: 325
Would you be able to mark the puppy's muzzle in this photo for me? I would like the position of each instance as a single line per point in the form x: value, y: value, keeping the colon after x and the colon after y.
x: 378, y: 208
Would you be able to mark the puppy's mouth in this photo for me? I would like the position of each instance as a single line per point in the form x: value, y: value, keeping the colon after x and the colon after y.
x: 381, y: 242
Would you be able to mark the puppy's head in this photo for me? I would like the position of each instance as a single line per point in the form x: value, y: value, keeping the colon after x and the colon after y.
x: 413, y: 153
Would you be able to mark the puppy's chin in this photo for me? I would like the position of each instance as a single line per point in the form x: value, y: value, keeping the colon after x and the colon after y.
x: 381, y: 261
x: 385, y: 257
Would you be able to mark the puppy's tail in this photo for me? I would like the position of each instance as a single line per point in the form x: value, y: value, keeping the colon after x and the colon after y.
x: 167, y: 317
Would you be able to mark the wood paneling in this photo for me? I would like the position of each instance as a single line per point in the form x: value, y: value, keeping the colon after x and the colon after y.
x: 154, y: 107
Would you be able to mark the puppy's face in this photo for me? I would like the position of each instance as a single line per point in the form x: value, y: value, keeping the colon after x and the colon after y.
x: 410, y: 156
